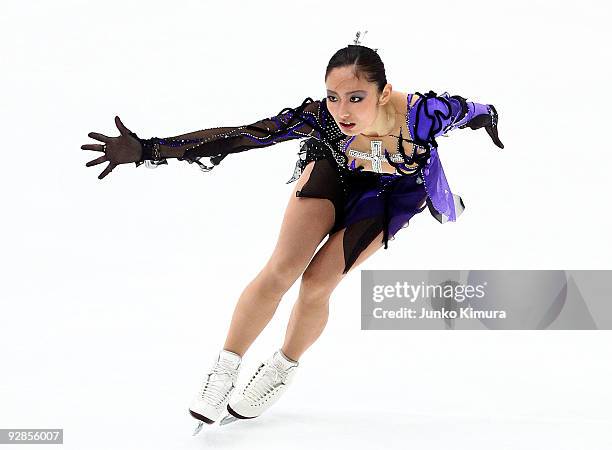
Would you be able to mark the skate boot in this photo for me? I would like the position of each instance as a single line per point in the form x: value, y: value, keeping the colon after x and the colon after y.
x: 215, y: 391
x: 264, y: 388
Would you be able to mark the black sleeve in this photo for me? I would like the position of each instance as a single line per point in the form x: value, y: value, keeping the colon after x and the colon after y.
x: 216, y: 143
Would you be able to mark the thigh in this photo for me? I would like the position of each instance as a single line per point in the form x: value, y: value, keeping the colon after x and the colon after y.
x: 305, y: 224
x: 325, y: 270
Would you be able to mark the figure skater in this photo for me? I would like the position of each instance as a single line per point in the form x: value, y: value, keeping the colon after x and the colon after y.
x: 368, y: 162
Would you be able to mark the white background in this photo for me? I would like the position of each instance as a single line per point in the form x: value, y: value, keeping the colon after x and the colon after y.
x: 117, y: 293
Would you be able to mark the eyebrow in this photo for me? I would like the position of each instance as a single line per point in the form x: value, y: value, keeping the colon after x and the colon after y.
x: 352, y: 92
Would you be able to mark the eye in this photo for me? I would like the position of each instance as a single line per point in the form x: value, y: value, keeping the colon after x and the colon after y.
x: 330, y: 97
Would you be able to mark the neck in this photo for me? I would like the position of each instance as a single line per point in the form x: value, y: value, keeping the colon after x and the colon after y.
x: 383, y: 124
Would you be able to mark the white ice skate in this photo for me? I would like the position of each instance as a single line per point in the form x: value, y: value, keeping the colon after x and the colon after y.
x: 265, y: 387
x: 215, y: 391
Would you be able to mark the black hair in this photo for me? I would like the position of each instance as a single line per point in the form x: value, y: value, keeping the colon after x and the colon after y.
x: 366, y: 62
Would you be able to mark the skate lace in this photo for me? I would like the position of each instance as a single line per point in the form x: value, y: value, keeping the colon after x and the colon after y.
x: 267, y: 378
x: 214, y: 390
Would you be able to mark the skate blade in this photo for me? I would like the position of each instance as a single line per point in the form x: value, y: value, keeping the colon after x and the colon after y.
x: 228, y: 419
x: 198, y: 428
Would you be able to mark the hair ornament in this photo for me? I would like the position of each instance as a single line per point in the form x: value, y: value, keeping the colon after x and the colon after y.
x: 357, y: 35
x: 356, y: 41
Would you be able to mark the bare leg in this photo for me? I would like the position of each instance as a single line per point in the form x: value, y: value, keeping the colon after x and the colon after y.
x: 311, y: 310
x: 299, y: 237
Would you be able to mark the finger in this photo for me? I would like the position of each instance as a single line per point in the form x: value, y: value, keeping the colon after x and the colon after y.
x: 492, y: 132
x: 106, y: 171
x: 98, y: 137
x: 122, y: 128
x: 95, y: 147
x: 96, y: 161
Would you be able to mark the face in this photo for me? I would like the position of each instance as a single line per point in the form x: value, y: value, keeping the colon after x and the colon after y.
x: 354, y: 100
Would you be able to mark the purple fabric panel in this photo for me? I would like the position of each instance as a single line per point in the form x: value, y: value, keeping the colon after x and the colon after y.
x: 363, y: 201
x: 438, y: 190
x: 405, y: 199
x: 437, y: 187
x: 402, y: 193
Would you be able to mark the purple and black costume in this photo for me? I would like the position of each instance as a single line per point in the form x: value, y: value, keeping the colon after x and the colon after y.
x: 366, y: 203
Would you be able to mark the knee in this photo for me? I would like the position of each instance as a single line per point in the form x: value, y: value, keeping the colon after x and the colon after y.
x: 277, y: 278
x: 316, y: 289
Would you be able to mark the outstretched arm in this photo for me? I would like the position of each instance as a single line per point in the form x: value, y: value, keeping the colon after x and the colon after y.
x: 306, y: 120
x: 216, y: 143
x: 434, y: 115
x: 438, y: 114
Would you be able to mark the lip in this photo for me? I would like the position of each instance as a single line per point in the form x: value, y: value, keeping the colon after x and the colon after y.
x: 349, y: 127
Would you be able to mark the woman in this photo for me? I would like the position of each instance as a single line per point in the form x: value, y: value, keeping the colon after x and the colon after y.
x: 368, y: 164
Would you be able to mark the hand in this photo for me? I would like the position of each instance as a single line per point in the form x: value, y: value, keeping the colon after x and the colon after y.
x: 122, y: 149
x: 492, y: 128
x: 489, y: 122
